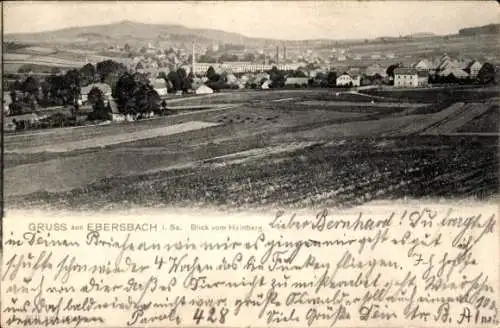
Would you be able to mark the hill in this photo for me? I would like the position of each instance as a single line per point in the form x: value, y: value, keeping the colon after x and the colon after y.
x: 130, y: 30
x: 486, y: 29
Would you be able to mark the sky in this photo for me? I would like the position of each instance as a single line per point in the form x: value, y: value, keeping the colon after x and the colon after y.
x: 292, y: 20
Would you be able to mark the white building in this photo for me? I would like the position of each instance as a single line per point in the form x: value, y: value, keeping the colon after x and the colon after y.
x: 105, y: 89
x: 348, y: 80
x: 410, y: 78
x: 473, y: 68
x: 203, y: 90
x: 160, y: 86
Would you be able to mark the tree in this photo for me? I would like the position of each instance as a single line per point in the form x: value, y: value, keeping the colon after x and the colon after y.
x: 331, y: 79
x: 207, y: 59
x: 212, y: 75
x: 124, y: 93
x: 162, y: 75
x: 185, y: 85
x: 299, y: 73
x: 72, y: 85
x: 277, y: 78
x: 390, y: 70
x: 96, y: 99
x: 249, y: 57
x: 30, y: 86
x: 486, y: 74
x: 174, y: 79
x: 17, y: 85
x: 210, y: 72
x: 87, y: 74
x: 56, y: 89
x: 126, y: 47
x: 107, y: 67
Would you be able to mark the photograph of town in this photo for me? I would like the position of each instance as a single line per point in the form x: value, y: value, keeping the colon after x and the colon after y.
x: 249, y: 105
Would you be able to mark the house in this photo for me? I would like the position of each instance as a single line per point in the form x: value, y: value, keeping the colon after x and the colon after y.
x: 341, y: 58
x: 375, y: 79
x: 410, y: 78
x: 116, y: 116
x: 231, y: 79
x: 203, y: 90
x: 160, y: 86
x: 346, y: 79
x: 12, y: 123
x: 7, y: 100
x: 423, y: 64
x: 266, y: 85
x: 296, y: 81
x: 105, y: 89
x: 455, y: 72
x: 376, y: 69
x: 473, y: 68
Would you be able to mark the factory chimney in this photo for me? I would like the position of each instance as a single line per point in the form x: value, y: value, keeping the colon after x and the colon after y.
x: 193, y: 62
x: 277, y: 55
x: 284, y: 54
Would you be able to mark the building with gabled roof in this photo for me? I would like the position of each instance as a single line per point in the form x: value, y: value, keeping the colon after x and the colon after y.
x: 456, y: 72
x: 409, y: 77
x: 160, y: 86
x: 423, y: 64
x: 346, y: 79
x: 105, y: 89
x: 473, y: 68
x: 203, y: 89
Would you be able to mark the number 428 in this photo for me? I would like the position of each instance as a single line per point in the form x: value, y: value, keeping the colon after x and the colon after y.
x: 213, y: 316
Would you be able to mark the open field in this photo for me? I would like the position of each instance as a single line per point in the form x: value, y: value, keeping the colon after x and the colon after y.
x: 268, y: 149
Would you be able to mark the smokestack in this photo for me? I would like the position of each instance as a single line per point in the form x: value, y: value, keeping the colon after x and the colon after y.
x: 277, y: 55
x: 193, y: 62
x: 284, y: 54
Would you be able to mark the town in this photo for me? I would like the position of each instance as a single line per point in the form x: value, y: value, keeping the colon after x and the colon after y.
x: 134, y: 111
x: 137, y: 83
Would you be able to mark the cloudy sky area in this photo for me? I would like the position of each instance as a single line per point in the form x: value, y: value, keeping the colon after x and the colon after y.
x: 270, y: 19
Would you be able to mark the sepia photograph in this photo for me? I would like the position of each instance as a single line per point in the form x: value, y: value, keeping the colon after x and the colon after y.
x: 237, y: 164
x: 249, y: 104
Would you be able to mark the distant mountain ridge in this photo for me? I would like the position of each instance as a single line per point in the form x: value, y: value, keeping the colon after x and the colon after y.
x: 486, y: 29
x: 127, y: 29
x: 134, y: 31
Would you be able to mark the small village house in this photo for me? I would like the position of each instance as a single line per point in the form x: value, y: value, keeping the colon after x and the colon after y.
x: 266, y: 85
x: 203, y: 90
x: 376, y: 69
x: 7, y: 100
x: 423, y: 65
x: 346, y: 79
x: 473, y: 68
x: 160, y: 86
x: 116, y: 116
x: 23, y: 121
x: 296, y: 81
x: 454, y: 72
x: 410, y: 78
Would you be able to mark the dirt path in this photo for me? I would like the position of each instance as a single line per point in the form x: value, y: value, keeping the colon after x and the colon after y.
x: 347, y: 104
x: 102, y: 141
x: 461, y: 117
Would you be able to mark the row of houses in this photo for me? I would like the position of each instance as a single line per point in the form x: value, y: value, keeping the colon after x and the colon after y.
x: 239, y: 67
